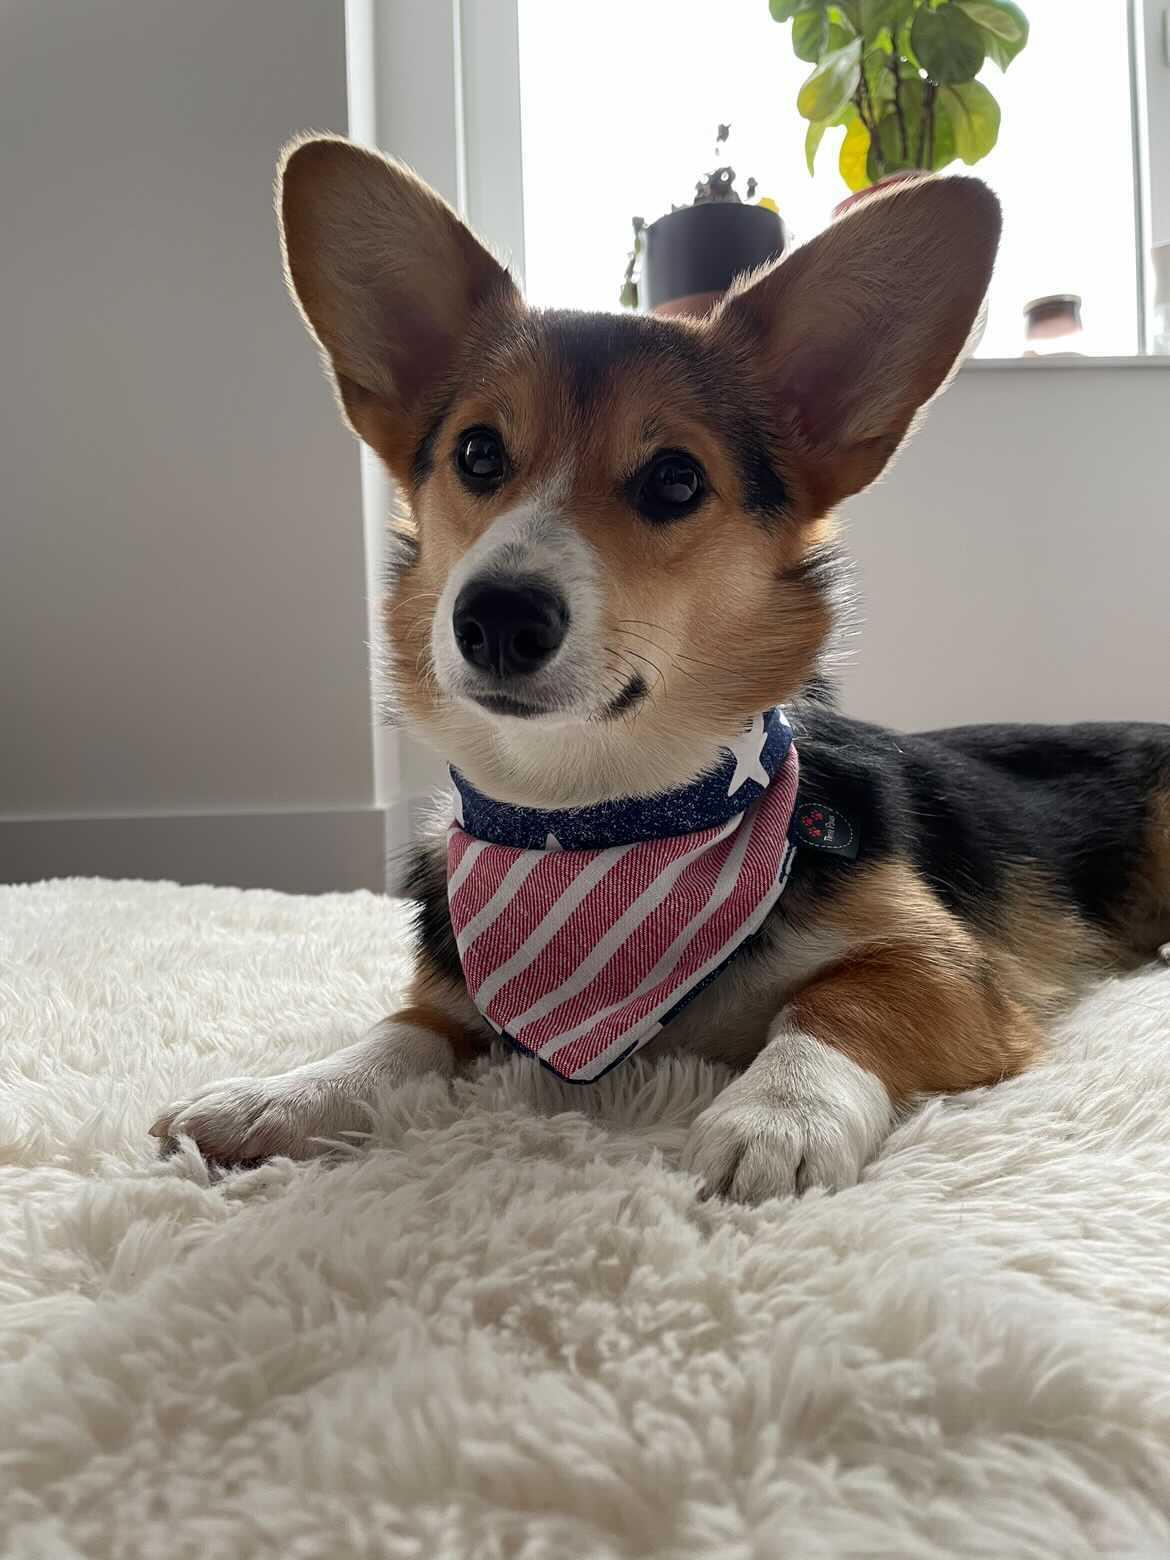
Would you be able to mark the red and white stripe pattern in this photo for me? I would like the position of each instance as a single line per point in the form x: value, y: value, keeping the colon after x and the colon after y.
x: 580, y: 956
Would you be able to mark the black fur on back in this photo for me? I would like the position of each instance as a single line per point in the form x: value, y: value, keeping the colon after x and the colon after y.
x: 968, y: 805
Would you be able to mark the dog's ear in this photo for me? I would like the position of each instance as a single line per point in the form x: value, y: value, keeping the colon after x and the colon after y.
x: 389, y: 281
x: 855, y: 331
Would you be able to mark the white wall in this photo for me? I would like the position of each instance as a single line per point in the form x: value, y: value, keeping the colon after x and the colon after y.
x: 182, y: 581
x: 1015, y: 563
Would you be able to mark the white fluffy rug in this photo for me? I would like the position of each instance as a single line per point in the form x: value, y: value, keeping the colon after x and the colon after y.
x: 508, y: 1329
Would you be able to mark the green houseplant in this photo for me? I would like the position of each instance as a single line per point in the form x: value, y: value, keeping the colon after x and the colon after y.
x: 900, y: 75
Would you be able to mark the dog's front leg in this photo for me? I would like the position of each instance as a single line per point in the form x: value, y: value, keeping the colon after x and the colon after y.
x: 842, y: 1057
x: 298, y: 1113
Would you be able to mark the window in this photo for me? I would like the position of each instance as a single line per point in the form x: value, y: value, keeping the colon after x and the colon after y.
x: 620, y: 102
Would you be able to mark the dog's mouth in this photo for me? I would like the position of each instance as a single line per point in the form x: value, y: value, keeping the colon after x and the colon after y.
x: 628, y: 697
x: 505, y: 704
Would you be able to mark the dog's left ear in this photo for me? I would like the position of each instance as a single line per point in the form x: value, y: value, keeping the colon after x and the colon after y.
x: 390, y: 282
x: 852, y: 334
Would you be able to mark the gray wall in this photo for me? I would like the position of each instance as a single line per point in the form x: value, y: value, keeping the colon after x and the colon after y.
x: 1015, y: 563
x: 182, y: 619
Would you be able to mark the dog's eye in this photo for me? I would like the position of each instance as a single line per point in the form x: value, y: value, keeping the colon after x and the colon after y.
x: 671, y: 488
x: 481, y: 459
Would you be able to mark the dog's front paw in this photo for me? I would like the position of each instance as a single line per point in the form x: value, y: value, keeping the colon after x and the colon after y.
x: 802, y: 1115
x: 303, y: 1112
x: 239, y: 1120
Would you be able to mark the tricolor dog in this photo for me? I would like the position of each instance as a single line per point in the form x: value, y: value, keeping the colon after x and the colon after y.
x: 610, y: 614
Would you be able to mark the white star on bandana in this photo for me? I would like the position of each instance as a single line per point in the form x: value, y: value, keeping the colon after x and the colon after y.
x: 748, y: 752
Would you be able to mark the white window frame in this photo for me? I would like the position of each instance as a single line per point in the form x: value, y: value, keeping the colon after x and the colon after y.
x: 1150, y: 61
x: 435, y: 83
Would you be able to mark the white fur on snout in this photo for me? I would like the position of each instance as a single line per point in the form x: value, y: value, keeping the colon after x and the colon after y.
x: 533, y: 542
x: 299, y: 1113
x: 802, y: 1115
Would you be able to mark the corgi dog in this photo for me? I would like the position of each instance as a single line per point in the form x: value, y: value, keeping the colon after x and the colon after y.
x: 610, y: 612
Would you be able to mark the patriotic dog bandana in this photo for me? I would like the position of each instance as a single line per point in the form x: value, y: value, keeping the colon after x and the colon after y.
x: 584, y: 930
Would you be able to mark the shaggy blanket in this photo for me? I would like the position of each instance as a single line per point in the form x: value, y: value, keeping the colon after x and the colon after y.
x: 507, y: 1327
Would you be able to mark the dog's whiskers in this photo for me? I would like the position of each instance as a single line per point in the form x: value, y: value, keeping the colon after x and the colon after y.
x: 635, y: 655
x: 675, y: 655
x: 674, y: 659
x: 613, y: 691
x: 419, y: 595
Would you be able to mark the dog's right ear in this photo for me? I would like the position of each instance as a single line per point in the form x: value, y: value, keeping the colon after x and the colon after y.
x: 389, y: 281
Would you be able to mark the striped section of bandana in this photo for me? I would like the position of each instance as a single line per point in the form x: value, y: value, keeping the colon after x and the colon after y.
x: 583, y: 931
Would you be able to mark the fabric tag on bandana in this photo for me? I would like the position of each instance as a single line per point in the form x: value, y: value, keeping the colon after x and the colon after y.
x: 822, y: 827
x: 582, y: 932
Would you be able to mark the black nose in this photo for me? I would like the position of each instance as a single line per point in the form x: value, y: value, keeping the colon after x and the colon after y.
x: 511, y: 630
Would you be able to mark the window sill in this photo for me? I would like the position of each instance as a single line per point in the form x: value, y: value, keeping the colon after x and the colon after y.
x: 1030, y: 364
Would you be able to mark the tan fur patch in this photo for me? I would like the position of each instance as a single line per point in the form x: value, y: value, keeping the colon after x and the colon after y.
x: 1042, y: 950
x: 445, y: 1008
x: 921, y: 1002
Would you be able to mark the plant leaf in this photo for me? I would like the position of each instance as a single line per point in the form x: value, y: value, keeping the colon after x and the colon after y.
x: 1002, y: 19
x: 879, y: 78
x: 810, y: 35
x: 785, y: 10
x: 904, y: 46
x: 942, y: 141
x: 889, y: 138
x: 948, y: 44
x: 832, y: 84
x: 1004, y: 27
x: 997, y: 52
x: 854, y: 156
x: 813, y: 137
x: 893, y: 159
x: 974, y: 116
x: 814, y: 35
x: 945, y: 148
x: 842, y: 21
x: 876, y: 14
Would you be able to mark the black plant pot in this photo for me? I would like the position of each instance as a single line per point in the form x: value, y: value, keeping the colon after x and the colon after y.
x: 697, y: 252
